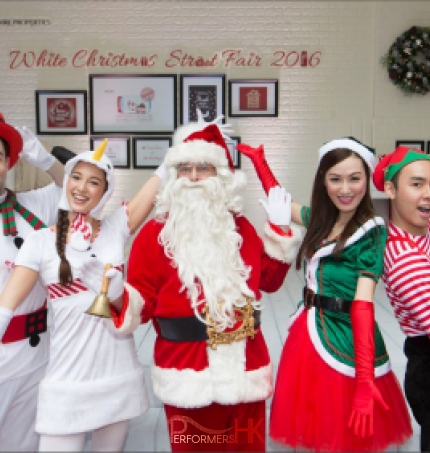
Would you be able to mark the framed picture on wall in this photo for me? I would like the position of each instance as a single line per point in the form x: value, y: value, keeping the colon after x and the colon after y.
x: 205, y: 92
x: 428, y: 147
x: 253, y: 97
x: 417, y: 144
x: 235, y: 154
x: 133, y: 104
x: 117, y: 149
x: 61, y: 112
x: 149, y: 152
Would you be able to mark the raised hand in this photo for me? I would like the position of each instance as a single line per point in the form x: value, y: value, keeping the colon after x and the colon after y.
x: 278, y: 206
x: 33, y: 151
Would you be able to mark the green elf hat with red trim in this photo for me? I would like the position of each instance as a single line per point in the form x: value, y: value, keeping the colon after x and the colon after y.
x: 13, y: 138
x: 392, y: 163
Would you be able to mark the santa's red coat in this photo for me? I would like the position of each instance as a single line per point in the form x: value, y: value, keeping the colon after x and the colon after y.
x: 191, y: 374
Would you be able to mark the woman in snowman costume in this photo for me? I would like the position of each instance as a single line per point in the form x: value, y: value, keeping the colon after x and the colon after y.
x: 94, y: 381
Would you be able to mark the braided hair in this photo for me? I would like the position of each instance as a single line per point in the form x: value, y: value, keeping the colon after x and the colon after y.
x: 65, y: 271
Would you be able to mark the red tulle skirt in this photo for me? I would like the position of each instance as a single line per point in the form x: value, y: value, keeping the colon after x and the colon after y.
x: 312, y: 403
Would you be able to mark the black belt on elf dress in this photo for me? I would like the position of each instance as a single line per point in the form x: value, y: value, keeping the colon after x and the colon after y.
x: 310, y: 299
x: 189, y: 328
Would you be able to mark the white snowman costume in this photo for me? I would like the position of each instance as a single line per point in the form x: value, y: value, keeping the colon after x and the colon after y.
x: 93, y: 377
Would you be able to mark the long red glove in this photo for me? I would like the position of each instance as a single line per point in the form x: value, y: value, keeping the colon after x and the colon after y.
x: 261, y: 166
x: 366, y: 392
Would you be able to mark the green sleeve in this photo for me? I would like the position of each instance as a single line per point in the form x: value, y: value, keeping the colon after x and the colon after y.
x: 370, y: 258
x: 305, y: 214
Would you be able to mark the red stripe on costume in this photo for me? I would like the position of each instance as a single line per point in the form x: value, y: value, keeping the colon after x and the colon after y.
x: 57, y: 291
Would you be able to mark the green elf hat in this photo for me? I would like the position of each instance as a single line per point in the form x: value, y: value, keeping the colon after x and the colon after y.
x: 390, y: 164
x: 365, y: 152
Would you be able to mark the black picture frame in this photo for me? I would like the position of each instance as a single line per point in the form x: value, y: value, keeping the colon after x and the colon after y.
x: 417, y: 144
x: 117, y: 149
x: 133, y: 103
x: 149, y: 152
x: 205, y: 92
x: 61, y: 112
x: 235, y: 154
x: 253, y: 97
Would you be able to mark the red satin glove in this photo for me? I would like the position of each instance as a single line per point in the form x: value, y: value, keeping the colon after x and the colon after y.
x: 366, y: 392
x: 261, y: 166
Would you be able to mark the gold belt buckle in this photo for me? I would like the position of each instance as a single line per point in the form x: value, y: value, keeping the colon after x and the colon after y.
x: 245, y: 330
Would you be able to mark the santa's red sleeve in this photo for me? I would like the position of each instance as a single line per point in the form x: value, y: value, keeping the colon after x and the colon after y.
x: 139, y: 289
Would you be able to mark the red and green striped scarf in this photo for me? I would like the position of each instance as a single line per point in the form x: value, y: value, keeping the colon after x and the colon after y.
x: 7, y: 211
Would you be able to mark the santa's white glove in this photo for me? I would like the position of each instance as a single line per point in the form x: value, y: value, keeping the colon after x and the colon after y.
x: 33, y: 151
x: 225, y: 129
x: 92, y: 272
x: 5, y: 317
x: 278, y: 206
x: 161, y: 171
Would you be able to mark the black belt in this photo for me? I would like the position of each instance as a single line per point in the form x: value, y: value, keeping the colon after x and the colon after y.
x: 189, y: 328
x: 311, y: 299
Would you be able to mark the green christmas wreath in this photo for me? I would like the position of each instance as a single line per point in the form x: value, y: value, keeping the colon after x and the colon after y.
x: 408, y: 61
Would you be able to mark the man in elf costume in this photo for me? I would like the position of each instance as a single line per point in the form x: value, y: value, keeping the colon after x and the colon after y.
x: 24, y: 346
x: 199, y: 268
x: 404, y: 175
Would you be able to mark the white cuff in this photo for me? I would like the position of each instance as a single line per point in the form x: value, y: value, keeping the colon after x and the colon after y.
x: 282, y: 248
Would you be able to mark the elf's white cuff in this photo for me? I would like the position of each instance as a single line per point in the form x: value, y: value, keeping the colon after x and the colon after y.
x: 282, y: 248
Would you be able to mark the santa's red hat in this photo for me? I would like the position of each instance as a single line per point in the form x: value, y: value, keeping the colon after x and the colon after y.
x: 13, y: 138
x: 198, y: 143
x: 392, y: 163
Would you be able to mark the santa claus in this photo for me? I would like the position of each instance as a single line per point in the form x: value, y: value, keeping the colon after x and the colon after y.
x: 197, y: 271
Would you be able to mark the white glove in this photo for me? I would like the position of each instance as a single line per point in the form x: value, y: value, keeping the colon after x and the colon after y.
x: 225, y: 129
x: 161, y: 171
x: 278, y: 206
x: 5, y: 317
x: 33, y: 151
x: 92, y: 272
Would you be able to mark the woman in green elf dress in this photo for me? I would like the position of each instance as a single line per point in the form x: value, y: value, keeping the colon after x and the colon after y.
x: 335, y: 390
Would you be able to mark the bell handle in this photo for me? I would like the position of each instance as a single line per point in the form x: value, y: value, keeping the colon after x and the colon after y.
x: 105, y: 280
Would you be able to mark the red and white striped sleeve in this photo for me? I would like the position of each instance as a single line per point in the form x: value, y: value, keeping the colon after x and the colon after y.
x: 407, y: 280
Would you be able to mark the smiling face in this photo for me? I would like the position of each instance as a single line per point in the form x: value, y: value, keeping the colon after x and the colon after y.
x: 85, y: 187
x: 410, y: 197
x: 346, y: 184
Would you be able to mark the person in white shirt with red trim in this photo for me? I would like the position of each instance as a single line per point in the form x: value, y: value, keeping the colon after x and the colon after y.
x: 24, y: 345
x: 94, y: 381
x: 404, y: 175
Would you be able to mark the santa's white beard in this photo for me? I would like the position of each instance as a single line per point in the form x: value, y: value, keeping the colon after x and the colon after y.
x: 200, y: 237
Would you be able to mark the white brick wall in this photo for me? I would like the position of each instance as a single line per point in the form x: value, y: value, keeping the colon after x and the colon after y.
x: 348, y: 93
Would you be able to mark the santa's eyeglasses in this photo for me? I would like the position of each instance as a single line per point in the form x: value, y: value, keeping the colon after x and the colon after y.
x: 201, y: 169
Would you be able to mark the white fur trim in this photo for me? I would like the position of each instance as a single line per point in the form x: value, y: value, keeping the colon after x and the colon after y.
x: 225, y: 381
x: 282, y: 248
x: 196, y: 151
x: 328, y: 358
x: 132, y: 319
x: 364, y: 152
x: 69, y: 407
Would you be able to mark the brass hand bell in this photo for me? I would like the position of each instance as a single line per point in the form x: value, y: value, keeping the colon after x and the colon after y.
x: 100, y: 306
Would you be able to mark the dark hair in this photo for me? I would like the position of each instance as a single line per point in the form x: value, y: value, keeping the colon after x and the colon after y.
x: 6, y: 146
x: 65, y: 271
x: 324, y: 213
